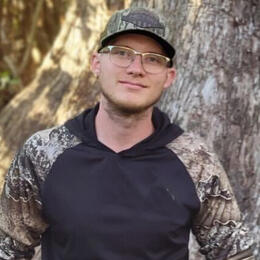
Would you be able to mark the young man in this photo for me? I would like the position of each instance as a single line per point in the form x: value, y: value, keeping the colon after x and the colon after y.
x: 120, y: 181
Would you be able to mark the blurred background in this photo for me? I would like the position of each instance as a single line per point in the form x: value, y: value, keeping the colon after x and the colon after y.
x: 28, y: 29
x: 45, y: 78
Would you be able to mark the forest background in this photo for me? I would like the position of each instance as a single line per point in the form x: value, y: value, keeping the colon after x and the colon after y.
x: 45, y: 48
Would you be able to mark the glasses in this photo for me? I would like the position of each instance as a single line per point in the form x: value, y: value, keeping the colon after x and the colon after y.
x: 123, y: 56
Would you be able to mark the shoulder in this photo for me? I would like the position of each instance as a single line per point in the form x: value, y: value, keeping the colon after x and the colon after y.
x: 196, y: 156
x: 203, y: 165
x: 50, y: 140
x: 43, y: 147
x: 59, y: 135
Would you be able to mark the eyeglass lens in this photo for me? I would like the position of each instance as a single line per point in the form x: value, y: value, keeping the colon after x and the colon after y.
x: 123, y: 57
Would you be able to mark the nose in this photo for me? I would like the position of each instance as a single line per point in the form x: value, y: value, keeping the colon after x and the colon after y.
x: 136, y: 66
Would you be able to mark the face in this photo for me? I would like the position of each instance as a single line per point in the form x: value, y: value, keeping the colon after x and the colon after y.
x: 131, y: 89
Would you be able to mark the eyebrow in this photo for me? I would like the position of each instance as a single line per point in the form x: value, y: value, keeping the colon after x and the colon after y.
x: 163, y: 53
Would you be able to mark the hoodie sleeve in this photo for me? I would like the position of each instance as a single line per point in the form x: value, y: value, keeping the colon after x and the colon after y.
x: 218, y: 227
x: 21, y: 222
x: 21, y: 218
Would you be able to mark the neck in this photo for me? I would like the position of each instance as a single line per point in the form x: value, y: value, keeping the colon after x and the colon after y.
x: 120, y: 131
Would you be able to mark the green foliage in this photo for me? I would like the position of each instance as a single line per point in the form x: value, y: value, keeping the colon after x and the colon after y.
x: 9, y: 86
x: 7, y: 80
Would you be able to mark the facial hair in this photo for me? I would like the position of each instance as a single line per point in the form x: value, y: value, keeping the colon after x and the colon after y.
x: 126, y: 109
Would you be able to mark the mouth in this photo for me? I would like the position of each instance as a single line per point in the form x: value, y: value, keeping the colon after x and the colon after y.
x: 134, y: 85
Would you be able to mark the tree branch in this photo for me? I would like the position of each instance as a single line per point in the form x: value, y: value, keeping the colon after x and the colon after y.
x: 31, y: 37
x: 8, y: 61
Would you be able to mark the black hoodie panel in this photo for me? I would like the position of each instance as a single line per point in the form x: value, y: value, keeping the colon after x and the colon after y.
x: 137, y: 204
x: 84, y: 128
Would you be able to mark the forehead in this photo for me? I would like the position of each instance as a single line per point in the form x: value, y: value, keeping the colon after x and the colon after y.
x: 138, y: 42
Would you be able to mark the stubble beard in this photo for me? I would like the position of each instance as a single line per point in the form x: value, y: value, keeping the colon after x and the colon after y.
x: 125, y: 109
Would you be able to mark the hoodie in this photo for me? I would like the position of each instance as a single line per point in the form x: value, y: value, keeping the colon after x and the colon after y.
x: 83, y: 201
x: 135, y: 204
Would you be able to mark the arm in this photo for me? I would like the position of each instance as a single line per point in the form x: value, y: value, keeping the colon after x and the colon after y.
x: 21, y: 222
x: 218, y: 227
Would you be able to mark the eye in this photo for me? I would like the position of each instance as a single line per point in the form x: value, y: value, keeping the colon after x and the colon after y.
x: 154, y: 59
x: 121, y: 52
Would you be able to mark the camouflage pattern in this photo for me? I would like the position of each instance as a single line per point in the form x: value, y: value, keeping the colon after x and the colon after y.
x: 218, y: 226
x: 21, y: 220
x: 143, y: 20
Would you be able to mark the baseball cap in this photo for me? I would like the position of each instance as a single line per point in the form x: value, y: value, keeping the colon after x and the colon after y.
x: 144, y: 21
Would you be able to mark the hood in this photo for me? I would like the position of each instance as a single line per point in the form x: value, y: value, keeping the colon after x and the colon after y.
x: 83, y: 126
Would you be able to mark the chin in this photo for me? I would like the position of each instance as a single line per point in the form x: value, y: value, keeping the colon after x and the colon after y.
x: 129, y: 109
x: 124, y: 106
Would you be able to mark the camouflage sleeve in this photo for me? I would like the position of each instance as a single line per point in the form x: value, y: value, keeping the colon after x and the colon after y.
x: 21, y: 218
x: 21, y: 222
x: 218, y: 226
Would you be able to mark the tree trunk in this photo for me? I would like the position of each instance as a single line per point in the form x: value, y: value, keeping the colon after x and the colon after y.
x: 217, y: 90
x: 27, y: 32
x: 216, y: 93
x: 63, y: 85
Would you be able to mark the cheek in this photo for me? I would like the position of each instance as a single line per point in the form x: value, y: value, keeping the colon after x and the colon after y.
x: 107, y: 74
x: 109, y: 70
x: 158, y: 81
x: 165, y: 81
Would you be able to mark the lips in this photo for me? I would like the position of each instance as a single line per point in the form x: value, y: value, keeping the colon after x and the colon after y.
x: 132, y: 84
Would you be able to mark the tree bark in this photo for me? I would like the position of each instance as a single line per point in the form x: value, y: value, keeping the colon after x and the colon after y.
x: 63, y: 85
x: 217, y: 90
x: 27, y: 32
x: 216, y: 93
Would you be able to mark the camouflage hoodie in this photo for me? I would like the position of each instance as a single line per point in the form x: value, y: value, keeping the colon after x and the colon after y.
x: 81, y: 200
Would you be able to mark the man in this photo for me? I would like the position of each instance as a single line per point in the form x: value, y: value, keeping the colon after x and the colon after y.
x: 120, y: 181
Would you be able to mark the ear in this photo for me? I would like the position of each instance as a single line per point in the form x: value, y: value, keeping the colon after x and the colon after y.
x: 95, y: 64
x: 170, y: 77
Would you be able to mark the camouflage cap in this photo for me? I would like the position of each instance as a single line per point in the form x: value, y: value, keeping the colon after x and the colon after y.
x: 138, y: 20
